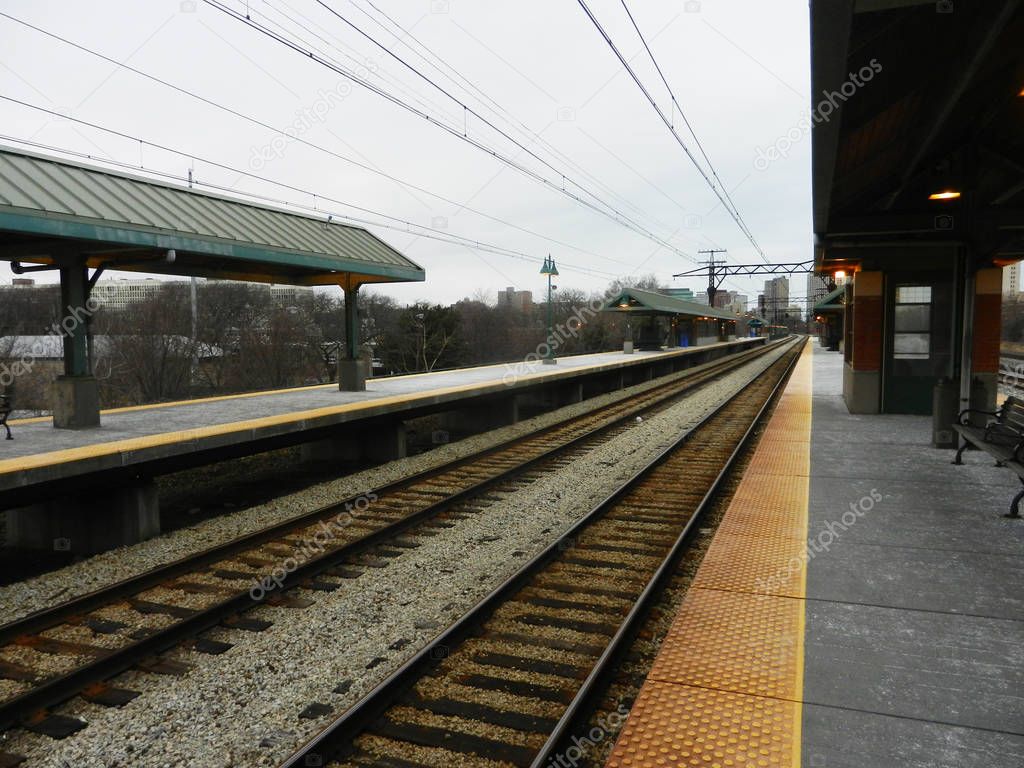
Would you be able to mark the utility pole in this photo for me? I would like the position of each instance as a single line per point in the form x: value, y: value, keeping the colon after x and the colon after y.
x: 711, y: 263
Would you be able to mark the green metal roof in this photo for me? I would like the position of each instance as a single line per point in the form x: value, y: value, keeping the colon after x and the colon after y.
x: 829, y: 301
x: 652, y: 302
x: 124, y: 222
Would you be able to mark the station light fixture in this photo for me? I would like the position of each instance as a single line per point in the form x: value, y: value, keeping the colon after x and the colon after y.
x: 946, y: 194
x: 551, y: 271
x: 840, y: 274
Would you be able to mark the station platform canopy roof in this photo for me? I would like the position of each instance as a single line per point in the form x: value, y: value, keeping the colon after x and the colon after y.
x: 831, y: 301
x: 50, y: 208
x: 917, y: 139
x: 644, y: 302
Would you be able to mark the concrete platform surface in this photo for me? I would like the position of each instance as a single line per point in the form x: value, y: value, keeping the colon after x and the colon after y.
x: 861, y: 604
x: 915, y: 612
x: 147, y: 433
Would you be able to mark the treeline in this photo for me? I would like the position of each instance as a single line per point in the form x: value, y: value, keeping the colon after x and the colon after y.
x: 242, y: 337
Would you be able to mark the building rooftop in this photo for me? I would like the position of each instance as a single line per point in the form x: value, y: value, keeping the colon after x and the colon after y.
x: 125, y: 222
x: 642, y: 301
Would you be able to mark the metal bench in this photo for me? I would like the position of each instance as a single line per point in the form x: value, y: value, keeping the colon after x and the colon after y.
x: 5, y: 411
x: 1002, y: 438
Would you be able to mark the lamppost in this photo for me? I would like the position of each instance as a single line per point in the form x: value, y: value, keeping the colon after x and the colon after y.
x: 421, y: 322
x: 550, y: 270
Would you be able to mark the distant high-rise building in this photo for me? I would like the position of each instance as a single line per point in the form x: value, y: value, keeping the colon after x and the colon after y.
x: 1011, y: 279
x: 122, y: 293
x: 776, y: 297
x: 737, y: 303
x: 510, y: 297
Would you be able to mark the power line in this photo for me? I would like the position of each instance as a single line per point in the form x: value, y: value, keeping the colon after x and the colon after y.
x: 306, y: 142
x: 689, y: 127
x: 611, y: 213
x: 668, y: 124
x: 409, y: 226
x: 493, y: 105
x: 350, y: 55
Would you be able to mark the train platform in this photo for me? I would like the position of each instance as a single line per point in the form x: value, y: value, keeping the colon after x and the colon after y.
x: 167, y: 436
x: 859, y: 605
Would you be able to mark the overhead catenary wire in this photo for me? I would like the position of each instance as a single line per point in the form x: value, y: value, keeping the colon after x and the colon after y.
x: 491, y: 104
x: 406, y: 225
x: 668, y: 124
x: 677, y: 106
x: 599, y: 206
x: 470, y: 87
x: 299, y: 139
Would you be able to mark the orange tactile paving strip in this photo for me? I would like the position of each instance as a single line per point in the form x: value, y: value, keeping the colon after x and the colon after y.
x: 726, y: 687
x: 681, y: 725
x: 733, y: 641
x: 786, y: 459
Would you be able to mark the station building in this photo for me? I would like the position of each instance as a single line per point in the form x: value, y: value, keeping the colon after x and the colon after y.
x: 658, y: 320
x: 917, y: 193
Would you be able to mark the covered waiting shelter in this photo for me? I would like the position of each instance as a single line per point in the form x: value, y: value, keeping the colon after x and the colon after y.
x: 82, y: 220
x: 918, y: 174
x: 683, y: 323
x: 828, y: 313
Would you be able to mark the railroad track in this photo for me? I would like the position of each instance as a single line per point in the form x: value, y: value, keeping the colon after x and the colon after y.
x: 1011, y: 374
x: 75, y: 647
x: 512, y: 681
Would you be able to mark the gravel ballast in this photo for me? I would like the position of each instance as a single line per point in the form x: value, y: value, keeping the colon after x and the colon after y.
x: 242, y: 708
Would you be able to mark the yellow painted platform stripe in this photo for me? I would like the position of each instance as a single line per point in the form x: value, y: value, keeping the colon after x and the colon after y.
x: 290, y: 390
x: 50, y: 458
x: 37, y: 460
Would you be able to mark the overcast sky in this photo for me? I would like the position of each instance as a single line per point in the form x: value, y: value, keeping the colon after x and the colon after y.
x: 739, y: 68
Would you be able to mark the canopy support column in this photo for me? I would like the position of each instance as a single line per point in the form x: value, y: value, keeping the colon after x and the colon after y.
x: 76, y: 400
x: 967, y: 335
x: 351, y: 369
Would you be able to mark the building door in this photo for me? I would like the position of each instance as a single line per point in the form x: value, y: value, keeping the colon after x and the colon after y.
x: 919, y: 316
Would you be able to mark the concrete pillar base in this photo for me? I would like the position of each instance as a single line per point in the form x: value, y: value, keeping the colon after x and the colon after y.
x: 386, y: 442
x: 985, y: 391
x: 95, y: 521
x: 76, y: 402
x: 351, y: 375
x: 861, y: 390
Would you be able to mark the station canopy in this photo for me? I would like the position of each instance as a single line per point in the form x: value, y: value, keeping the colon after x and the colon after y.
x: 917, y: 140
x: 643, y: 302
x: 831, y: 302
x: 51, y: 208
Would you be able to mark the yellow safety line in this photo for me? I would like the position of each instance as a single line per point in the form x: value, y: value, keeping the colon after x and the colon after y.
x: 805, y: 360
x: 310, y: 387
x: 38, y: 460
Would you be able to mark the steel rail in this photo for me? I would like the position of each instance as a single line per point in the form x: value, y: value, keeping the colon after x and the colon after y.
x: 60, y: 688
x: 335, y: 741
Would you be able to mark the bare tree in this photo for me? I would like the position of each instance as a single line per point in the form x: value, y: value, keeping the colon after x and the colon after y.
x: 149, y: 347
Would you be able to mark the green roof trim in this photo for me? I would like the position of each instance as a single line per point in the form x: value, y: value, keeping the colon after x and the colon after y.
x: 651, y: 302
x: 829, y: 302
x: 96, y: 210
